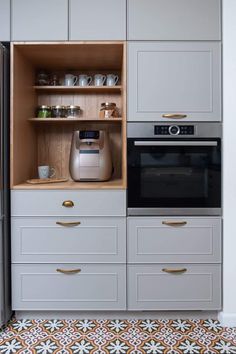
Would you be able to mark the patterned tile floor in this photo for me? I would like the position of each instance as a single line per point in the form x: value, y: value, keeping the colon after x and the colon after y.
x: 117, y: 337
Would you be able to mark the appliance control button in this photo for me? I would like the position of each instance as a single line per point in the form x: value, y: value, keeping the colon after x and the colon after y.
x: 174, y: 130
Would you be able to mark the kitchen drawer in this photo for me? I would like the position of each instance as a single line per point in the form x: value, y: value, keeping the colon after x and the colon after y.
x: 151, y: 288
x: 169, y: 239
x: 94, y: 240
x: 86, y: 203
x: 42, y: 287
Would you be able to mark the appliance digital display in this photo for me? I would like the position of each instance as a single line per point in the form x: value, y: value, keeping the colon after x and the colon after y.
x: 89, y: 134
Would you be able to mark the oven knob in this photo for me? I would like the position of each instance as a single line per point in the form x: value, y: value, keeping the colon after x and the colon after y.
x: 174, y: 130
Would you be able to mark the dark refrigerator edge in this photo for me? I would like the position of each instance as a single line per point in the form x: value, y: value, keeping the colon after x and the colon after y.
x: 5, y: 288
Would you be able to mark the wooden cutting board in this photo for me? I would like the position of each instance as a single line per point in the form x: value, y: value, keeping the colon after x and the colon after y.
x: 46, y: 180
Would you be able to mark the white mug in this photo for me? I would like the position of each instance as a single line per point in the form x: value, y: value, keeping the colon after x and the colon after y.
x: 99, y: 80
x: 46, y: 172
x: 84, y: 80
x: 112, y: 79
x: 70, y: 80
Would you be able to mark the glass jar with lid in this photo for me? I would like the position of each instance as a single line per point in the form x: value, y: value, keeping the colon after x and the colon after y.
x: 58, y: 111
x: 43, y: 111
x: 108, y: 110
x: 72, y: 111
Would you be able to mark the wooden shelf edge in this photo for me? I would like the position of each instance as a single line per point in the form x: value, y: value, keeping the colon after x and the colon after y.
x: 40, y: 120
x: 113, y: 184
x: 78, y: 88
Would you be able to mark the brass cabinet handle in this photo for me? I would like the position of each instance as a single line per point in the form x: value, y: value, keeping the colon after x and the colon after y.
x: 68, y: 224
x: 68, y: 204
x: 174, y: 116
x: 68, y: 271
x: 174, y: 223
x: 180, y: 270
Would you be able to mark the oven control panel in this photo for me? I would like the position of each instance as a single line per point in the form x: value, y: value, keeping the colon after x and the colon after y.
x: 174, y: 130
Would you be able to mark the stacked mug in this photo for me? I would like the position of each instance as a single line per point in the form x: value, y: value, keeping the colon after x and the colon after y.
x: 85, y: 80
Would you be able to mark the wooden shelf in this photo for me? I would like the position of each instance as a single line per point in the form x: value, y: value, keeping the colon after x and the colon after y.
x: 87, y: 89
x: 69, y: 120
x: 112, y: 184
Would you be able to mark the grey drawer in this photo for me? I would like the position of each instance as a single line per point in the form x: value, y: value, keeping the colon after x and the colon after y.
x: 165, y: 239
x: 42, y: 287
x: 150, y: 288
x: 86, y: 203
x: 94, y: 240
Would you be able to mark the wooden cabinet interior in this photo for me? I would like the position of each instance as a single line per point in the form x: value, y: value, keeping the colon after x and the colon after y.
x: 36, y: 143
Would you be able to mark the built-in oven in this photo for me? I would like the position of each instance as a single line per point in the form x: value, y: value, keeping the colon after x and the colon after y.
x: 174, y: 169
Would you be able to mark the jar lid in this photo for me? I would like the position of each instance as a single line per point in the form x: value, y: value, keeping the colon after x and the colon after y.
x: 108, y: 104
x: 57, y: 107
x: 44, y: 107
x: 73, y: 107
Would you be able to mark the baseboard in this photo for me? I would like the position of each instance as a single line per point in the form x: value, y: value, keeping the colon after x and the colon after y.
x: 227, y: 319
x: 116, y: 314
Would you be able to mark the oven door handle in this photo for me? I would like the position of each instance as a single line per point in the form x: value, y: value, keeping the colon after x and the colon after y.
x: 175, y: 143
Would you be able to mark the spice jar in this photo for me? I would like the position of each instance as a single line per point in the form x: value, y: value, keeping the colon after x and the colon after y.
x: 72, y: 111
x: 58, y: 111
x: 108, y: 110
x: 44, y: 112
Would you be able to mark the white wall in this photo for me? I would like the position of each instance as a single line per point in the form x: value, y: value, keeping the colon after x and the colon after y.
x: 228, y: 315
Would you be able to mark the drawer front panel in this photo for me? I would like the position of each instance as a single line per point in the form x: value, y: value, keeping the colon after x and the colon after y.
x: 158, y: 240
x: 36, y: 240
x: 85, y: 203
x: 150, y: 288
x: 42, y: 287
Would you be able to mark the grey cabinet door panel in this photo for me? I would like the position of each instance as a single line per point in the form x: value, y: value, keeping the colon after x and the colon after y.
x: 174, y: 20
x: 174, y: 77
x: 42, y: 240
x: 86, y: 203
x: 150, y: 288
x: 151, y: 241
x: 42, y: 287
x: 5, y: 20
x: 97, y: 20
x: 43, y: 20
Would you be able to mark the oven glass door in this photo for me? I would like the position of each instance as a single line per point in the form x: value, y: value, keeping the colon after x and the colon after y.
x: 174, y: 173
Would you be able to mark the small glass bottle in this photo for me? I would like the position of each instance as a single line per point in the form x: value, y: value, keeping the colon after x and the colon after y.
x: 44, y: 111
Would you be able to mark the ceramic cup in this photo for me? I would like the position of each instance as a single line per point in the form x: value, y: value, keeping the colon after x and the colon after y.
x: 99, y: 80
x: 70, y: 80
x: 112, y: 79
x: 46, y: 172
x: 84, y: 80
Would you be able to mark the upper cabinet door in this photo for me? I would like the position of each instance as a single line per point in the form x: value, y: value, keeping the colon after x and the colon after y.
x: 39, y: 20
x: 4, y: 20
x: 97, y: 20
x: 174, y: 19
x: 171, y: 80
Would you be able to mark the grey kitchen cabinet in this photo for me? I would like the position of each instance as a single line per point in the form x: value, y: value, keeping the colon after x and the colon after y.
x: 174, y: 19
x: 97, y: 20
x: 66, y: 240
x: 68, y: 287
x: 174, y: 287
x: 174, y: 240
x: 168, y: 81
x: 53, y: 203
x: 44, y: 20
x: 5, y: 20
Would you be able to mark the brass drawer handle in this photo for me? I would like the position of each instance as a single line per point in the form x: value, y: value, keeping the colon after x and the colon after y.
x: 174, y: 223
x: 71, y: 271
x: 68, y: 204
x: 174, y: 116
x: 68, y: 224
x: 175, y: 271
